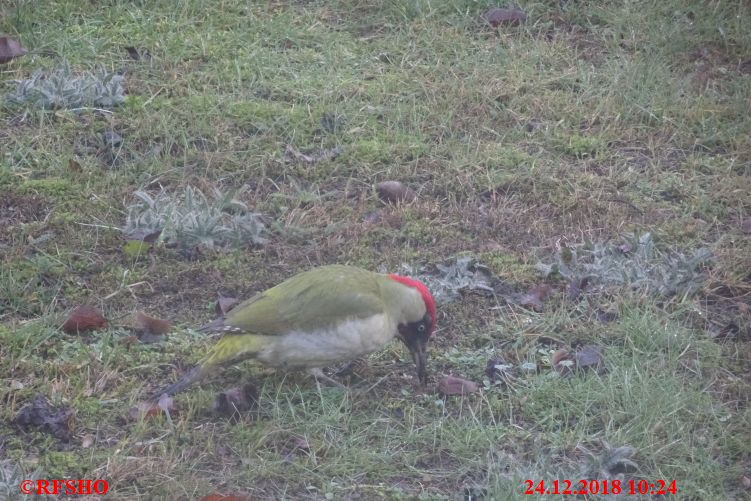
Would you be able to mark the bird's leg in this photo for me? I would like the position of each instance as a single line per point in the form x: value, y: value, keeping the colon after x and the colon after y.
x: 320, y: 376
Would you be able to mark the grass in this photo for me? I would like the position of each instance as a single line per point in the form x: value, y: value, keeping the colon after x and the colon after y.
x: 591, y: 121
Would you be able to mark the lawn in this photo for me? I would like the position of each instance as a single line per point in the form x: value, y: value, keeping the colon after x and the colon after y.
x: 581, y: 184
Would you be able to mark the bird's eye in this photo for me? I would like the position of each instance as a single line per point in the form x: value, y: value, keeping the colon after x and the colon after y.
x: 421, y: 328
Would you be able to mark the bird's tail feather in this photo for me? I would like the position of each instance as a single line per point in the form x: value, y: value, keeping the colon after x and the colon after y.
x: 231, y: 348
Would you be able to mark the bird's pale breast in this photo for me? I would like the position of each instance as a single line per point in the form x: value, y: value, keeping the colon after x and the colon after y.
x: 322, y: 347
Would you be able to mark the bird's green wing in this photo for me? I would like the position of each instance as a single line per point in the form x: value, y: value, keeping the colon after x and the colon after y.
x: 310, y: 300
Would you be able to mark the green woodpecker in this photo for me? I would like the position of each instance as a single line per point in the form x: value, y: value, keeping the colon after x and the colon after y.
x: 322, y: 316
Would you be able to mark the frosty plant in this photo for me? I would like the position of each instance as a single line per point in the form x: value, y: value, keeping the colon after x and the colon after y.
x: 64, y: 89
x: 636, y: 263
x: 194, y: 219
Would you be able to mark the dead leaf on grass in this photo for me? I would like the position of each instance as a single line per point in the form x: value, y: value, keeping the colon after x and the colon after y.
x: 562, y: 362
x: 746, y: 225
x: 151, y: 329
x: 42, y: 414
x: 84, y: 319
x: 589, y: 357
x: 10, y: 48
x: 235, y: 401
x: 452, y: 385
x: 536, y: 296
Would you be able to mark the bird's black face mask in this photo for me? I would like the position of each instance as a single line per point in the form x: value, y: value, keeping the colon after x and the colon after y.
x: 416, y: 336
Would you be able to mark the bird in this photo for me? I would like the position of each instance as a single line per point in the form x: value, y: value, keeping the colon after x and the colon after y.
x: 321, y: 316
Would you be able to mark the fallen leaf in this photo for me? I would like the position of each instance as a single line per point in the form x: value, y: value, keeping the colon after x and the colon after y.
x: 589, y: 357
x: 42, y: 414
x: 559, y: 355
x: 151, y: 329
x: 10, y: 48
x: 16, y: 385
x: 235, y: 401
x: 394, y: 192
x: 746, y: 482
x: 84, y: 319
x: 746, y: 225
x: 150, y: 408
x: 535, y: 297
x: 506, y: 17
x: 452, y: 385
x: 224, y: 304
x: 562, y: 362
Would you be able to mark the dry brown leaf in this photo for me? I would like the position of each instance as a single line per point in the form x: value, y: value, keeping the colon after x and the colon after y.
x: 562, y: 362
x: 234, y: 401
x: 559, y: 356
x: 150, y: 329
x: 84, y: 319
x: 395, y: 192
x: 536, y: 296
x: 10, y: 48
x: 589, y: 357
x: 452, y: 385
x: 746, y: 225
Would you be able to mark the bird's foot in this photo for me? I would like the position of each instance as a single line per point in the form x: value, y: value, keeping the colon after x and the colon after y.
x: 320, y: 376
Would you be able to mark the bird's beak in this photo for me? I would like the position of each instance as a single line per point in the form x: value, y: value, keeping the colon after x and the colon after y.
x: 419, y: 352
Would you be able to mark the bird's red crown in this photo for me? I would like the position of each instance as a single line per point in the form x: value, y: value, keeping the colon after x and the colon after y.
x: 426, y: 296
